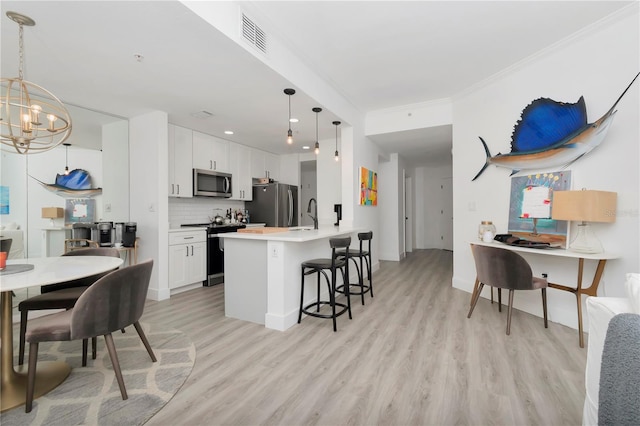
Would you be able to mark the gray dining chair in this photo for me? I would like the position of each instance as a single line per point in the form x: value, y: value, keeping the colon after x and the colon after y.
x: 113, y: 302
x: 5, y: 245
x: 505, y: 269
x: 62, y: 296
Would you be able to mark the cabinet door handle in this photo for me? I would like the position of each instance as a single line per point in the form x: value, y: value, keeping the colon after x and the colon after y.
x: 178, y: 185
x: 215, y: 166
x: 187, y: 247
x: 210, y: 164
x: 172, y: 189
x: 188, y: 238
x: 191, y: 250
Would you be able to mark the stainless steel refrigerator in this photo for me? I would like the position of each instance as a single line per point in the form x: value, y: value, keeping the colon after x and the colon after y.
x: 275, y: 204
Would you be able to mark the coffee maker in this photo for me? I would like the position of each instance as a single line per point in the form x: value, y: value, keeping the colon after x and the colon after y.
x: 105, y: 231
x: 129, y: 234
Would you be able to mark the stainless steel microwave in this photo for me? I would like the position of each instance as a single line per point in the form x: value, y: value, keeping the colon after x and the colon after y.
x: 209, y: 183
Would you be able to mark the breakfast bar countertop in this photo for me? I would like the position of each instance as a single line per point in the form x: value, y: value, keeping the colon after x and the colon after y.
x: 296, y: 234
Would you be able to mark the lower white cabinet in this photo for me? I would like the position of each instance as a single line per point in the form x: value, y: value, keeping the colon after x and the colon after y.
x: 187, y: 257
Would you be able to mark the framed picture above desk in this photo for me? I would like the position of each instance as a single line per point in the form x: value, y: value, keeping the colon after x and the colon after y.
x: 578, y: 290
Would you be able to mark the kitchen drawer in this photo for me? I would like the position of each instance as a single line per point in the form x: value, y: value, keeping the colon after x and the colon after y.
x: 187, y: 237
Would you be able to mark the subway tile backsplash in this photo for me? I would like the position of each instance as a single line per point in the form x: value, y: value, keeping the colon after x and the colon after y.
x: 198, y: 210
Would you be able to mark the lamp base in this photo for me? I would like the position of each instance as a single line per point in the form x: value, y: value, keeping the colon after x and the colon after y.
x: 586, y: 241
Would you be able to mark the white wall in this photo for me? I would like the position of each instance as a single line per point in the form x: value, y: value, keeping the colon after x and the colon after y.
x: 597, y: 64
x: 329, y: 183
x: 148, y: 150
x: 115, y: 163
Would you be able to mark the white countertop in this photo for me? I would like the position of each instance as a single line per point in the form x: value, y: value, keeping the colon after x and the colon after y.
x: 296, y: 234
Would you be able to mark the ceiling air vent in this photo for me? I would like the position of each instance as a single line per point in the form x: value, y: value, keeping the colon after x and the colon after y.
x: 254, y: 34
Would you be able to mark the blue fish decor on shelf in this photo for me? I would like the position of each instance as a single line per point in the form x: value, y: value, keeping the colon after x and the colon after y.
x: 77, y: 184
x: 552, y: 134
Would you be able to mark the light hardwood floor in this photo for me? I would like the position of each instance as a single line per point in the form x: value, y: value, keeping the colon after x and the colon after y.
x: 409, y: 357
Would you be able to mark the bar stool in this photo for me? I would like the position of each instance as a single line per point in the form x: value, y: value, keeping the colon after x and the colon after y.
x: 319, y: 266
x: 360, y: 254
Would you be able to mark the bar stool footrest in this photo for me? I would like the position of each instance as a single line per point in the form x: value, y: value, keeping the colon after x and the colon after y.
x: 306, y: 311
x: 358, y: 292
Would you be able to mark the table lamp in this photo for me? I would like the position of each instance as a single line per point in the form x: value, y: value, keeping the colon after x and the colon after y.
x: 585, y: 206
x: 52, y: 213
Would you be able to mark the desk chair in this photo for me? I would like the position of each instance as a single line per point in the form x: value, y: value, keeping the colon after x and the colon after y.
x: 71, y: 244
x: 62, y: 296
x: 501, y: 268
x: 112, y: 303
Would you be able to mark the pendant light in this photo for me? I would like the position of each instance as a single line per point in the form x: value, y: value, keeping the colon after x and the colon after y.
x: 336, y: 156
x: 317, y: 146
x: 289, y: 92
x: 32, y: 119
x: 66, y: 158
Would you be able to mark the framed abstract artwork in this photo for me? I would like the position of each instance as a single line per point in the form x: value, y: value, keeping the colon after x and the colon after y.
x: 368, y: 187
x: 4, y: 200
x: 530, y: 207
x: 79, y: 210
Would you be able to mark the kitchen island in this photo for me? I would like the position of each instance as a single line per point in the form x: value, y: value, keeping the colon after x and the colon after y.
x: 262, y: 272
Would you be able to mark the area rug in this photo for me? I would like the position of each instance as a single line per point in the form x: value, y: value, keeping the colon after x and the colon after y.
x: 91, y: 396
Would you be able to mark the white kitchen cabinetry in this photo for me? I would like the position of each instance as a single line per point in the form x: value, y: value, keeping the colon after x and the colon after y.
x: 180, y: 167
x: 240, y: 168
x: 187, y: 258
x: 210, y: 153
x: 265, y: 164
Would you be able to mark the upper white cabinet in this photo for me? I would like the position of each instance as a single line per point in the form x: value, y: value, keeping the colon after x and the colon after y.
x: 265, y: 164
x: 180, y: 157
x: 210, y: 153
x: 240, y: 168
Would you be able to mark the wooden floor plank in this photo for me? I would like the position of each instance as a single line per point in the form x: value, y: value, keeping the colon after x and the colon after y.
x: 409, y: 356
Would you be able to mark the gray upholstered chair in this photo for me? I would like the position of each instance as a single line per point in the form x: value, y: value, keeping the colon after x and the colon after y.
x: 62, y: 296
x: 113, y: 302
x: 502, y: 268
x: 5, y: 245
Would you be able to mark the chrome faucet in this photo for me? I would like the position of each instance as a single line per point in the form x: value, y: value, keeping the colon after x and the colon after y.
x: 315, y: 218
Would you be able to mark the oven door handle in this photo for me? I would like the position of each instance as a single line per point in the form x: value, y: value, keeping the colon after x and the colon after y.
x: 221, y: 244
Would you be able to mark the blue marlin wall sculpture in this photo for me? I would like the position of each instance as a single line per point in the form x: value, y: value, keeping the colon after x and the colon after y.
x: 552, y: 134
x: 77, y: 184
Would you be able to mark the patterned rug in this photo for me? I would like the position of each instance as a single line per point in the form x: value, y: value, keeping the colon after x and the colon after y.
x: 90, y: 395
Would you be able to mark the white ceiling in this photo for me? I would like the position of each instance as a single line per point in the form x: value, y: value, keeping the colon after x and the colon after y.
x: 377, y: 54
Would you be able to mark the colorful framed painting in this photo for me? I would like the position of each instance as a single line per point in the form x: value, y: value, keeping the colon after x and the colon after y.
x: 4, y: 200
x: 530, y: 208
x: 79, y: 210
x: 368, y: 187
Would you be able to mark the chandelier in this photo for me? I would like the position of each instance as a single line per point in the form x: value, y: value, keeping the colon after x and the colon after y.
x: 32, y: 119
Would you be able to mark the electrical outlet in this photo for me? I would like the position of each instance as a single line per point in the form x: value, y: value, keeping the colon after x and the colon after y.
x: 274, y: 252
x: 152, y: 207
x: 107, y: 208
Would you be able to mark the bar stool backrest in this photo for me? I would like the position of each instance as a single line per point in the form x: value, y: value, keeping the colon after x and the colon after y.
x: 365, y: 236
x: 339, y: 243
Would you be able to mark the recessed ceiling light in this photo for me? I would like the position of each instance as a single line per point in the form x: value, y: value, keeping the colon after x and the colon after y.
x: 306, y: 147
x: 293, y: 120
x: 228, y: 132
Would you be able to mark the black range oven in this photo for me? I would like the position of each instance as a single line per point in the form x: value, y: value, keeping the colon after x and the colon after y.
x: 215, y: 250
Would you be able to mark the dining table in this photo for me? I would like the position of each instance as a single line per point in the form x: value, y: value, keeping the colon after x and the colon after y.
x: 34, y: 272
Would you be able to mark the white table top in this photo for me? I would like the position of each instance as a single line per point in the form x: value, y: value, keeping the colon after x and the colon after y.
x: 51, y: 270
x: 550, y: 251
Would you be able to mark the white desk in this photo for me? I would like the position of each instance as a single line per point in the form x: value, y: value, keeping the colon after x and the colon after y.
x: 592, y: 290
x: 47, y: 270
